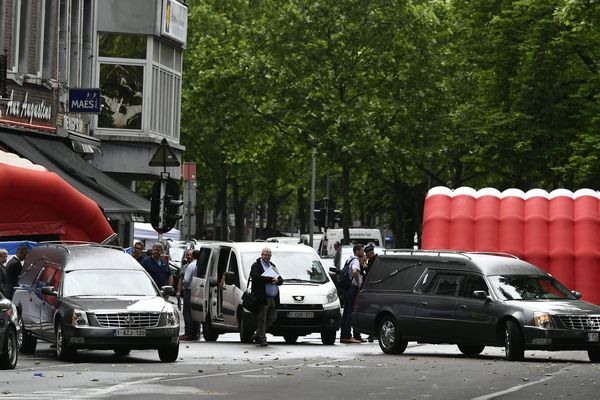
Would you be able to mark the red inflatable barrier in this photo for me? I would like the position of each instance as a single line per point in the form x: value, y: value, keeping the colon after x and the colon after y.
x: 558, y: 232
x: 38, y: 202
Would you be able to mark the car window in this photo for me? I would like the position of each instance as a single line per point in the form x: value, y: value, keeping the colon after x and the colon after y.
x: 108, y: 282
x: 472, y: 284
x: 445, y: 284
x: 233, y: 267
x: 202, y: 263
x: 521, y: 287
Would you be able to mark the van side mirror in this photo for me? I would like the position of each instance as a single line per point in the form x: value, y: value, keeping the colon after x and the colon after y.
x: 333, y: 269
x: 481, y: 295
x: 49, y: 291
x: 229, y: 278
x: 576, y: 294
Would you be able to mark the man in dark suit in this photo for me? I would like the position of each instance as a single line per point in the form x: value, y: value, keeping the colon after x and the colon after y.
x: 266, y: 290
x: 3, y: 258
x: 13, y: 270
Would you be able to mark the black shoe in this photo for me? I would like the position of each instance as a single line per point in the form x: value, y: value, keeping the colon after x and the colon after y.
x: 262, y: 344
x: 370, y: 339
x: 360, y: 339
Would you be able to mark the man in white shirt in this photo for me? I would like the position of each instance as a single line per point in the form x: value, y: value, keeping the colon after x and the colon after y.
x: 350, y: 295
x: 191, y: 327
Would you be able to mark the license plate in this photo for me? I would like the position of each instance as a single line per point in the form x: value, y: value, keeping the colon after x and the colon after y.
x: 301, y: 314
x: 130, y: 332
x: 592, y: 336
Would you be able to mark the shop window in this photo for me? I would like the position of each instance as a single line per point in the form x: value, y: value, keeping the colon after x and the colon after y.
x: 122, y: 91
x: 121, y: 46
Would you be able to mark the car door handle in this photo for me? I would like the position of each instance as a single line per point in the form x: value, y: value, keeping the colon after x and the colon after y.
x: 463, y: 306
x: 424, y: 303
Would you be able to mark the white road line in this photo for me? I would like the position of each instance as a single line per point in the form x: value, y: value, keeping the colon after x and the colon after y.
x: 519, y: 387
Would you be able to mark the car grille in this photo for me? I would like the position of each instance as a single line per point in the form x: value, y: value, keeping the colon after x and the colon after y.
x: 128, y: 320
x: 581, y: 322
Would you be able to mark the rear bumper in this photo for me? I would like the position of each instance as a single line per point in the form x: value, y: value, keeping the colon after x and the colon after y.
x: 322, y: 320
x: 561, y: 339
x: 107, y: 339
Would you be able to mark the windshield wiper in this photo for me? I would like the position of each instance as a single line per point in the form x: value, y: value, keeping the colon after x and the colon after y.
x: 298, y: 280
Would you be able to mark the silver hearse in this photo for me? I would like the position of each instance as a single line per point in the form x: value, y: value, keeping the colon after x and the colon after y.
x: 473, y: 300
x: 89, y: 296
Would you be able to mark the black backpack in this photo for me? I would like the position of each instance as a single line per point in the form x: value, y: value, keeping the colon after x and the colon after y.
x: 344, y: 277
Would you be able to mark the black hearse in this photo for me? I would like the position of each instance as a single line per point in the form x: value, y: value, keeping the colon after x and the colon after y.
x: 473, y: 300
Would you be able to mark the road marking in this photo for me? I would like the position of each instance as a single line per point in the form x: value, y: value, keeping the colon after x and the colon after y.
x: 519, y: 387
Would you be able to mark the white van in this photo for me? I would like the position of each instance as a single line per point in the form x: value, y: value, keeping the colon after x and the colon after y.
x: 357, y: 235
x: 309, y: 301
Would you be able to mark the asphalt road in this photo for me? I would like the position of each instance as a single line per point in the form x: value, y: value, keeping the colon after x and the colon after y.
x: 305, y: 370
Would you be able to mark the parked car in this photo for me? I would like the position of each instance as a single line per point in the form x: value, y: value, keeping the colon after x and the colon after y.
x: 284, y: 239
x: 9, y: 334
x: 89, y: 296
x: 473, y: 300
x: 309, y: 301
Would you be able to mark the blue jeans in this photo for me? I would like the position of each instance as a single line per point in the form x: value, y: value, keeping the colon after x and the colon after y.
x: 349, y: 297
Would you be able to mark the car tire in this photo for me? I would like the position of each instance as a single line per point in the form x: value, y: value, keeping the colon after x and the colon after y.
x: 514, y: 348
x: 122, y: 352
x: 470, y: 350
x: 208, y: 332
x: 328, y: 336
x: 10, y: 350
x: 246, y: 327
x: 28, y: 342
x: 290, y: 339
x: 594, y: 356
x: 63, y: 351
x: 168, y: 353
x: 390, y: 340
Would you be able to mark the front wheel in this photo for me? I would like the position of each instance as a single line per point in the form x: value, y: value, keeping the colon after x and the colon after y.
x: 208, y: 332
x: 328, y: 337
x: 168, y: 353
x: 470, y: 350
x: 594, y: 355
x: 27, y: 343
x: 64, y: 352
x: 10, y: 350
x: 513, y: 342
x: 390, y: 340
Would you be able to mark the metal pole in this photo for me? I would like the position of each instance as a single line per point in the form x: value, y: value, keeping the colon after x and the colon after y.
x: 311, y: 221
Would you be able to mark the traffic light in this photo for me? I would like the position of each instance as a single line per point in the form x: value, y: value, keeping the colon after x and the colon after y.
x: 165, y: 205
x: 319, y: 217
x: 171, y: 205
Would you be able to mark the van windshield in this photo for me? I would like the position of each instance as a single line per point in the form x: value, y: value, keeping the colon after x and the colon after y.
x: 293, y: 267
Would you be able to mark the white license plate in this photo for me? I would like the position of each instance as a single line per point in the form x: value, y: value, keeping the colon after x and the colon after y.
x: 592, y: 336
x: 130, y: 332
x: 301, y: 314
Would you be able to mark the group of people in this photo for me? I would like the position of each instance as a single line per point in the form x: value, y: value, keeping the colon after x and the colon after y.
x: 10, y: 270
x: 160, y: 272
x: 360, y: 264
x: 265, y: 287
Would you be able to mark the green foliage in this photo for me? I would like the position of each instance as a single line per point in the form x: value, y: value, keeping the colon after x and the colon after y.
x: 395, y: 96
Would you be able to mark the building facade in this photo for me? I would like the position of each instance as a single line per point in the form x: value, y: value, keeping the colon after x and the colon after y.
x: 125, y: 58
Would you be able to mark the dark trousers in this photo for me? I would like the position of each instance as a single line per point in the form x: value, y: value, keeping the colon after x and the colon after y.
x: 266, y: 315
x: 349, y: 297
x: 191, y: 327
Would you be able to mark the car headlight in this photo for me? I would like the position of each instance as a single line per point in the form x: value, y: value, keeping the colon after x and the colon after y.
x: 542, y: 320
x: 79, y: 318
x: 172, y: 318
x: 331, y: 296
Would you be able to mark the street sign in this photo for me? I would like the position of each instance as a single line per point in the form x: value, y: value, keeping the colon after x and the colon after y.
x: 84, y: 101
x: 164, y: 156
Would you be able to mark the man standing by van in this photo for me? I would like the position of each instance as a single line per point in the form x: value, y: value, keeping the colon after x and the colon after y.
x: 350, y: 295
x: 265, y: 282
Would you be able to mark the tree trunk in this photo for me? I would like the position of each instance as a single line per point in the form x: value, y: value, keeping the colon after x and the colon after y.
x: 302, y: 209
x: 239, y: 210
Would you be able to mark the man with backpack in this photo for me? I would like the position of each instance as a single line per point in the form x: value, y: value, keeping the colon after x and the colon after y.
x: 350, y: 281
